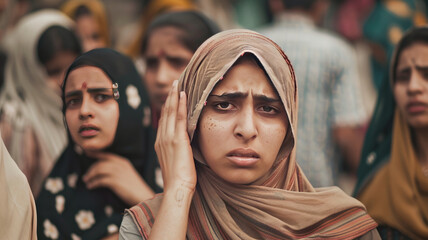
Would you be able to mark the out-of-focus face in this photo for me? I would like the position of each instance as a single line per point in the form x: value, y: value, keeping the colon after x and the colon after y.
x: 88, y: 31
x: 92, y: 114
x: 411, y: 85
x: 56, y: 68
x: 166, y: 58
x: 243, y: 125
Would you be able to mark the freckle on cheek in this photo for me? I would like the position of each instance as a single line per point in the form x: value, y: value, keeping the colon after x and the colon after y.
x: 210, y: 124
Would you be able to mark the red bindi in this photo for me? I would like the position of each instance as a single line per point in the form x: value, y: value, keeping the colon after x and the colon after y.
x: 161, y: 54
x: 84, y: 85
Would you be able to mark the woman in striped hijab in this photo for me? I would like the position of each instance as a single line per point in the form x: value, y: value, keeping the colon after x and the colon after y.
x: 233, y: 174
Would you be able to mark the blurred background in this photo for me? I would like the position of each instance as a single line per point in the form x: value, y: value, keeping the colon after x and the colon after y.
x: 370, y: 27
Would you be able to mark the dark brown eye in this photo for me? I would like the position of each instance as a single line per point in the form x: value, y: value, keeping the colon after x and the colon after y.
x: 152, y: 63
x: 54, y: 72
x: 224, y: 104
x: 73, y: 102
x: 102, y: 97
x: 402, y: 77
x: 268, y: 109
x: 95, y: 36
x: 177, y: 62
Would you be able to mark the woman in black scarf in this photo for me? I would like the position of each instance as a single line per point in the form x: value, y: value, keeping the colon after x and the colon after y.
x: 109, y: 162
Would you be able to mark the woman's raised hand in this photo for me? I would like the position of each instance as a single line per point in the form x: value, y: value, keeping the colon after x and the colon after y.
x: 178, y: 169
x: 173, y: 144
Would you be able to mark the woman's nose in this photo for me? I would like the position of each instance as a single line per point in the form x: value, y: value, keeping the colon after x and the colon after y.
x: 246, y: 127
x: 163, y: 77
x: 85, y: 110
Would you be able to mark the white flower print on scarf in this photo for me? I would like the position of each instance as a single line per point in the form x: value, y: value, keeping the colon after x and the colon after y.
x: 75, y: 237
x: 54, y: 185
x: 112, y: 228
x: 50, y: 230
x: 59, y: 203
x: 72, y: 179
x: 108, y: 210
x: 147, y: 119
x: 85, y: 219
x: 133, y: 97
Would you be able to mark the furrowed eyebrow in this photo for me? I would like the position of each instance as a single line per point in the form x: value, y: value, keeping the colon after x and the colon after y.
x: 237, y: 95
x: 73, y: 93
x: 405, y: 69
x: 90, y: 90
x: 231, y: 95
x: 174, y: 58
x: 95, y: 90
x: 422, y: 68
x: 265, y: 98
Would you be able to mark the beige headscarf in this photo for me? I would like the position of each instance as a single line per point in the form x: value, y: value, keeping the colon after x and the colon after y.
x: 18, y: 211
x: 25, y: 87
x: 286, y: 205
x: 25, y: 99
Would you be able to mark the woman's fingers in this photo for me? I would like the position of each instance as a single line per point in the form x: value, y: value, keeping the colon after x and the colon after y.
x: 167, y: 118
x: 119, y: 175
x: 166, y: 128
x: 172, y: 143
x: 104, y: 167
x: 95, y: 171
x: 182, y: 116
x: 165, y: 114
x: 171, y: 111
x: 101, y: 181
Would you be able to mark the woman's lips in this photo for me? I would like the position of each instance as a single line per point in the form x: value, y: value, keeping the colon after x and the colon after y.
x: 88, y: 131
x: 243, y: 157
x: 416, y: 107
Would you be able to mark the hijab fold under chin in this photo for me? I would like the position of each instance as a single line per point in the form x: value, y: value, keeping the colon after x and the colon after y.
x: 286, y: 205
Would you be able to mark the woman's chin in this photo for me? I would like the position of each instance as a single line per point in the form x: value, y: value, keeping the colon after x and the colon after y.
x: 91, y: 149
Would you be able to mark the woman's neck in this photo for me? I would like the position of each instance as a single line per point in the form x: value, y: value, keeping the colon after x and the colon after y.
x: 420, y: 137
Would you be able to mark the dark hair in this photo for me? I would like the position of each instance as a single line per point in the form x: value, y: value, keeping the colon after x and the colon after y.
x: 302, y: 4
x: 415, y: 35
x: 195, y: 26
x: 54, y: 40
x: 82, y: 10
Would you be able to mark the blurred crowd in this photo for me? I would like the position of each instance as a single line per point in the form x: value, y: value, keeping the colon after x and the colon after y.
x: 341, y: 51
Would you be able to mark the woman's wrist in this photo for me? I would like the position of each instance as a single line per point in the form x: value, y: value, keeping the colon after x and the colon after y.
x: 180, y: 193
